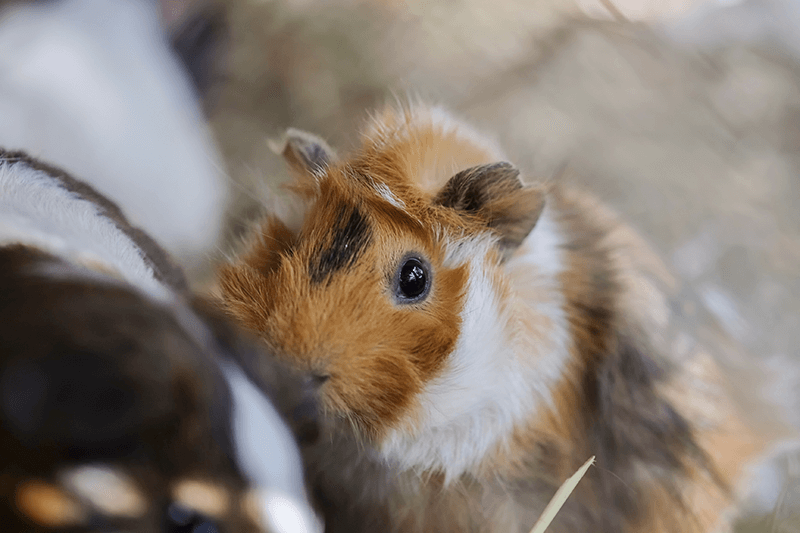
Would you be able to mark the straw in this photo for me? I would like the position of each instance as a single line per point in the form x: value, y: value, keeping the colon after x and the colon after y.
x: 560, y: 497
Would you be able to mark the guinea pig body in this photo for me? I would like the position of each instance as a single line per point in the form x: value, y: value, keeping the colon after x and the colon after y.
x: 125, y: 403
x: 483, y: 338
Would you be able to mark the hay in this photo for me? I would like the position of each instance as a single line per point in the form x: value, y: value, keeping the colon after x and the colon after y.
x: 561, y: 495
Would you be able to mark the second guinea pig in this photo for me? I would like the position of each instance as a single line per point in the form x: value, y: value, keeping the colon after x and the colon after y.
x: 482, y: 337
x: 126, y: 403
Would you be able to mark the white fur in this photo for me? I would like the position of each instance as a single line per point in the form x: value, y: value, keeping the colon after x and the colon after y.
x: 284, y: 515
x: 496, y: 376
x: 386, y: 193
x: 268, y: 455
x: 107, y: 489
x: 542, y: 248
x: 92, y: 86
x: 36, y: 210
x: 533, y: 273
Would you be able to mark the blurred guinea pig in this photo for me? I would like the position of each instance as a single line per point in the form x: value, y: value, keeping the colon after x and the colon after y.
x: 482, y: 337
x: 126, y: 404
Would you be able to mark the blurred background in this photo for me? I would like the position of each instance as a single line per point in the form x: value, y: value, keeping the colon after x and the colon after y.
x: 684, y: 115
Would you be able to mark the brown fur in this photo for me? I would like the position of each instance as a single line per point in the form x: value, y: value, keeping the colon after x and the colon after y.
x: 662, y: 465
x: 163, y: 410
x: 95, y: 373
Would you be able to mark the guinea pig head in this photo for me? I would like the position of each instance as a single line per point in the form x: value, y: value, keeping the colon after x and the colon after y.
x: 371, y: 291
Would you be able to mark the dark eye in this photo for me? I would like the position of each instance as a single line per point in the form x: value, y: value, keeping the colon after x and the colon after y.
x: 181, y: 519
x: 413, y: 280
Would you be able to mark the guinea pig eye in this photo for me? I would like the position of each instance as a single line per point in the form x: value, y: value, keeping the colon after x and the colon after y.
x: 181, y: 519
x: 413, y: 280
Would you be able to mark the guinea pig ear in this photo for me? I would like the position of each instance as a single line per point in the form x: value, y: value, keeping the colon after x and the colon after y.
x: 304, y: 152
x: 495, y: 193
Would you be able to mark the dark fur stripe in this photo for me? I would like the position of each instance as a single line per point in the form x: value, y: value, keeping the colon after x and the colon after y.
x: 351, y: 235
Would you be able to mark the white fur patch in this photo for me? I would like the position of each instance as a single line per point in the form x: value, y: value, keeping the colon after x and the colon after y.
x: 35, y: 209
x: 499, y: 371
x: 542, y: 248
x: 107, y: 489
x: 386, y: 193
x: 93, y: 87
x: 533, y: 275
x: 266, y: 452
x: 284, y: 515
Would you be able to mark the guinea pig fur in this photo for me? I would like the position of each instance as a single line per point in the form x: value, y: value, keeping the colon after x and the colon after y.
x: 483, y: 337
x: 126, y: 404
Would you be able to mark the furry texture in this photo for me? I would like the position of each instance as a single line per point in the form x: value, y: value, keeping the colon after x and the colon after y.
x: 124, y: 404
x: 44, y: 207
x: 534, y: 349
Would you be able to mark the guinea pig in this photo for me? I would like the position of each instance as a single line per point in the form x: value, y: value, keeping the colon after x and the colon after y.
x: 126, y: 403
x: 482, y: 337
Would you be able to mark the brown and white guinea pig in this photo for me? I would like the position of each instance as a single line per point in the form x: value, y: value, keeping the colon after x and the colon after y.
x: 125, y: 403
x: 482, y: 337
